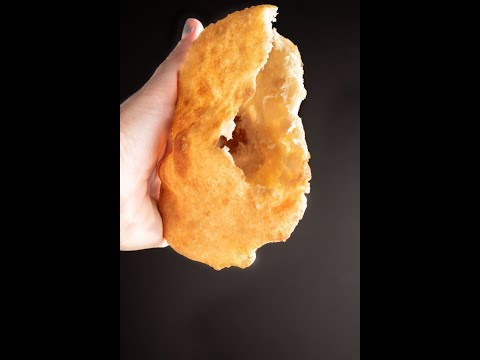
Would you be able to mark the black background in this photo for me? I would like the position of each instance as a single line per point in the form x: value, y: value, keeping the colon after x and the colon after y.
x: 300, y: 299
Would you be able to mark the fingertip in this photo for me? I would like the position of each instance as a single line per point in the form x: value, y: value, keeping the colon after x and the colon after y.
x: 198, y: 28
x: 192, y: 29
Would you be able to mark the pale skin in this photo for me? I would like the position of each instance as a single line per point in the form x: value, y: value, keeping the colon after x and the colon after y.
x: 145, y: 120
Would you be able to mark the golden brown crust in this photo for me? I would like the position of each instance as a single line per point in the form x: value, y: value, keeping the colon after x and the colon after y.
x: 219, y: 205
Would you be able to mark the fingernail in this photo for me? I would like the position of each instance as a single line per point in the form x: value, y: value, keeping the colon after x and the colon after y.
x: 187, y: 28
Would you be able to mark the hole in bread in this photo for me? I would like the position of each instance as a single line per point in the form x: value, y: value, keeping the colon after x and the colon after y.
x: 239, y: 136
x: 243, y: 146
x: 265, y: 139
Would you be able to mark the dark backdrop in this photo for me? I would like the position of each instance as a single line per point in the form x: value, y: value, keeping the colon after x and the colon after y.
x: 301, y: 299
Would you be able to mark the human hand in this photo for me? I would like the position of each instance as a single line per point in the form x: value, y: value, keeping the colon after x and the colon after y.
x: 145, y: 120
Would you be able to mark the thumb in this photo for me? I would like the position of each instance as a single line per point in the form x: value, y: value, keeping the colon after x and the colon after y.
x: 164, y: 79
x: 146, y: 116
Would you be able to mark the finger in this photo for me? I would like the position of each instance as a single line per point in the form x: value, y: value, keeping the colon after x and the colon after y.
x: 164, y: 79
